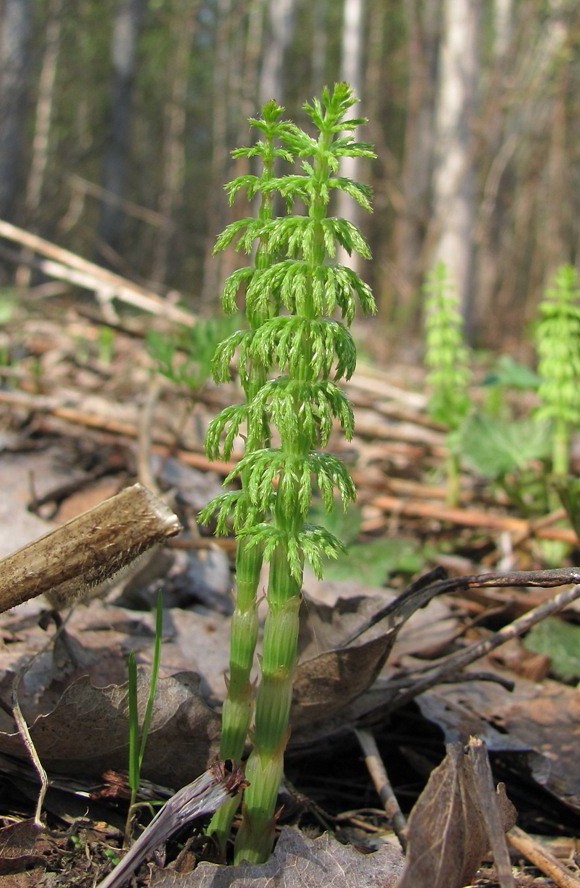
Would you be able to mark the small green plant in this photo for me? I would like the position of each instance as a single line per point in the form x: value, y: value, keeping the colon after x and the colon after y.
x: 446, y: 356
x: 138, y: 735
x: 371, y: 561
x: 560, y: 641
x: 506, y: 377
x: 558, y: 345
x: 512, y: 453
x: 185, y: 357
x: 106, y: 344
x: 289, y: 359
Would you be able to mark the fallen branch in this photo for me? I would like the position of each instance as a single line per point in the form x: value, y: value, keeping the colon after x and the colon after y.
x: 88, y: 550
x: 471, y: 518
x: 64, y: 265
x: 533, y: 851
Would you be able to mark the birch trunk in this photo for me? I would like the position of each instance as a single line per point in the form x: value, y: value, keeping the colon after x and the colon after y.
x: 351, y: 72
x: 173, y: 148
x: 454, y: 208
x: 126, y: 28
x: 15, y: 33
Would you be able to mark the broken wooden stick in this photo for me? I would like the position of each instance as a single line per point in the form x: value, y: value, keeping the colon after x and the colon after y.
x: 67, y: 562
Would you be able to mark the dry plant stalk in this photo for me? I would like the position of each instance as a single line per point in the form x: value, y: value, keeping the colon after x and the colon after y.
x: 203, y: 796
x: 67, y: 562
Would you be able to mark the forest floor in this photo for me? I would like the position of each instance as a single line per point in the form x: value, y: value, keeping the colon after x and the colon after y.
x: 82, y: 415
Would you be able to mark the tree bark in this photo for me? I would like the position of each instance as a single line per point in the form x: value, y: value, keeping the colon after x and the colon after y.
x: 454, y: 197
x: 173, y: 148
x: 126, y: 29
x: 351, y: 72
x: 15, y: 68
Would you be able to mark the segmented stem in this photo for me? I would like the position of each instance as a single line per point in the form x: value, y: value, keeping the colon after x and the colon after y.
x: 286, y: 360
x: 238, y: 705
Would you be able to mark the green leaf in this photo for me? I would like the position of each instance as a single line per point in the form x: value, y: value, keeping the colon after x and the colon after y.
x: 560, y: 641
x: 494, y: 447
x: 372, y: 562
x: 512, y: 374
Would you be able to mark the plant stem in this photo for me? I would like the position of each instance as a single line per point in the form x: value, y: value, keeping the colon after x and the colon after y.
x: 560, y: 448
x: 264, y: 769
x: 238, y: 705
x: 286, y: 361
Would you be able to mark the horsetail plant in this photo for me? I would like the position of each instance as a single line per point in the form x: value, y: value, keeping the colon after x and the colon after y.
x: 446, y: 356
x: 289, y: 361
x: 558, y: 345
x: 238, y: 705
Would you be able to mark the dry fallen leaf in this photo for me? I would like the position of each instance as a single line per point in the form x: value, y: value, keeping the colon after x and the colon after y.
x: 87, y: 731
x: 21, y: 846
x: 332, y: 674
x: 297, y: 862
x: 326, y: 684
x: 540, y: 721
x: 447, y: 836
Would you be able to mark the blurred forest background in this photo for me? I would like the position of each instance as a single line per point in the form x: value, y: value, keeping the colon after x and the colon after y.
x: 117, y: 118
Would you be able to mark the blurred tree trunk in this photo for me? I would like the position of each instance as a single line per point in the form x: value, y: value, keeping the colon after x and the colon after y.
x: 319, y: 45
x: 15, y: 68
x: 423, y: 23
x: 503, y: 15
x: 44, y: 108
x: 126, y: 28
x: 182, y: 23
x: 280, y: 31
x: 42, y: 126
x: 493, y: 208
x: 351, y: 71
x: 454, y: 181
x: 251, y: 64
x: 216, y: 207
x: 529, y: 195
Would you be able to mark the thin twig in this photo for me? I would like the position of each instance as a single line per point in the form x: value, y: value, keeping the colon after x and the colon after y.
x: 459, y: 660
x: 471, y: 518
x: 542, y: 858
x: 435, y: 583
x: 23, y: 728
x: 382, y: 784
x: 31, y: 749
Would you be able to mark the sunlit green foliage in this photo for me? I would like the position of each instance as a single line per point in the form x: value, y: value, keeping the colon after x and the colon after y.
x: 446, y: 357
x: 289, y: 360
x: 558, y: 344
x: 185, y: 358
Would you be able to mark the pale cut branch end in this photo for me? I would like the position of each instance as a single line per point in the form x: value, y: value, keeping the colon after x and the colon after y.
x: 87, y: 551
